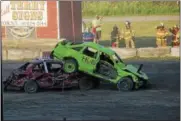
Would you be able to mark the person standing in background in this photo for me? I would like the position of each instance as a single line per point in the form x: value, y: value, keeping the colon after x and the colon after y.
x: 175, y: 30
x: 96, y: 28
x: 115, y: 36
x: 88, y: 36
x: 128, y: 35
x: 161, y: 35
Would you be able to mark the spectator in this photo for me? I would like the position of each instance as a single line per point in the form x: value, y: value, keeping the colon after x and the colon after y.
x: 161, y: 35
x: 175, y: 36
x: 88, y: 36
x: 129, y: 35
x: 96, y: 28
x: 115, y: 36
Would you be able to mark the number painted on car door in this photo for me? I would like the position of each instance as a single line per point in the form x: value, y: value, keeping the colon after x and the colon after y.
x: 89, y: 60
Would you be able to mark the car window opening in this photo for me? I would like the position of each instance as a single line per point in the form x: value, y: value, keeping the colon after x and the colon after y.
x: 106, y: 58
x: 25, y: 66
x: 38, y: 68
x: 77, y: 48
x: 53, y: 67
x: 117, y: 58
x: 90, y: 52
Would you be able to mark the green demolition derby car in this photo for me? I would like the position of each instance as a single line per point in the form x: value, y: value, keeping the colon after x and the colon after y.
x: 99, y: 62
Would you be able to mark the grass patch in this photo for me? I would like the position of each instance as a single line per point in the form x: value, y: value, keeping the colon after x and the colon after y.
x: 144, y: 31
x: 125, y: 8
x: 145, y: 36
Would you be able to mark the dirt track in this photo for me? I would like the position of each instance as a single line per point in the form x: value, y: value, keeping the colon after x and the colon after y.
x: 161, y: 102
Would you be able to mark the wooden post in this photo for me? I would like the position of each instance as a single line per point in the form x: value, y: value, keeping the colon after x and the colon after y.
x: 70, y: 20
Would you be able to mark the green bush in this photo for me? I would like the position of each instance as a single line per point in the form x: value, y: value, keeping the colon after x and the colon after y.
x: 124, y: 8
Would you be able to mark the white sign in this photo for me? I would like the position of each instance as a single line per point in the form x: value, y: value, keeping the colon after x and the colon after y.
x: 24, y: 13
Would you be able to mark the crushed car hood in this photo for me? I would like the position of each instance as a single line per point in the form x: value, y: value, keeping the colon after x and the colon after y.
x: 134, y: 70
x: 121, y: 65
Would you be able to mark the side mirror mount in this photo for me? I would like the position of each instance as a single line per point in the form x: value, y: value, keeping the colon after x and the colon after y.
x: 140, y: 68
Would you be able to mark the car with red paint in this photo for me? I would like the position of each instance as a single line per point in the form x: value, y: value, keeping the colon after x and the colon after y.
x: 40, y: 73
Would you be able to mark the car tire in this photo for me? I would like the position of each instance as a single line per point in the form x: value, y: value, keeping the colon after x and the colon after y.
x: 86, y: 83
x: 146, y: 85
x: 125, y: 84
x: 70, y: 66
x: 7, y: 82
x: 97, y: 84
x: 3, y: 87
x: 31, y: 86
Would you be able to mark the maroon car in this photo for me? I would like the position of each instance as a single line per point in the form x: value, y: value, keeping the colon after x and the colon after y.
x: 40, y: 73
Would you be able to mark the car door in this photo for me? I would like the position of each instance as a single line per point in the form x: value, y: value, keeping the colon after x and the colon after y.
x: 89, y: 59
x: 45, y: 80
x: 107, y: 66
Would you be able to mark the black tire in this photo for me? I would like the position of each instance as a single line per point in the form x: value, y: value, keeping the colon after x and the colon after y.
x: 107, y: 69
x: 31, y: 86
x: 86, y: 83
x: 125, y: 84
x: 146, y: 85
x: 97, y: 84
x: 4, y: 89
x: 70, y: 66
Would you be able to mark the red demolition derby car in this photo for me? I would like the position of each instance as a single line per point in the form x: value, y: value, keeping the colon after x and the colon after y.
x: 40, y: 73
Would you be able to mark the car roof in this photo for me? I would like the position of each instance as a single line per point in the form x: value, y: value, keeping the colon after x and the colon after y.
x: 41, y: 60
x: 99, y: 48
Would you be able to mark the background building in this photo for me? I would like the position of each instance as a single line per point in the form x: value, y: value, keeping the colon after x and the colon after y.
x: 41, y: 20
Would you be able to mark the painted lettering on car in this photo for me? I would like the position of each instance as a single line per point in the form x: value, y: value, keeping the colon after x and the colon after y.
x: 88, y: 60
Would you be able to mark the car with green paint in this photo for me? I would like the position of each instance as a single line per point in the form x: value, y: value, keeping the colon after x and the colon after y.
x: 99, y: 62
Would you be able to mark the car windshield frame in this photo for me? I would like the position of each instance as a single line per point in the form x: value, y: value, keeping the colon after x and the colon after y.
x: 118, y: 59
x: 24, y: 66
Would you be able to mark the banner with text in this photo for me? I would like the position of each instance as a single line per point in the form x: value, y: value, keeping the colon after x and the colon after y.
x: 24, y: 13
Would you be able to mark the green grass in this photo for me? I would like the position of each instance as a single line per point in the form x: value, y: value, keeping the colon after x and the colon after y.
x: 125, y: 8
x: 145, y: 36
x: 141, y: 28
x: 145, y: 32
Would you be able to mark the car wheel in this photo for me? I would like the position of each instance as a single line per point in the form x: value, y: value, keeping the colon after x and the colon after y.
x: 70, y: 66
x: 97, y: 84
x: 3, y: 87
x: 125, y: 84
x: 86, y: 83
x: 146, y: 85
x: 31, y: 86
